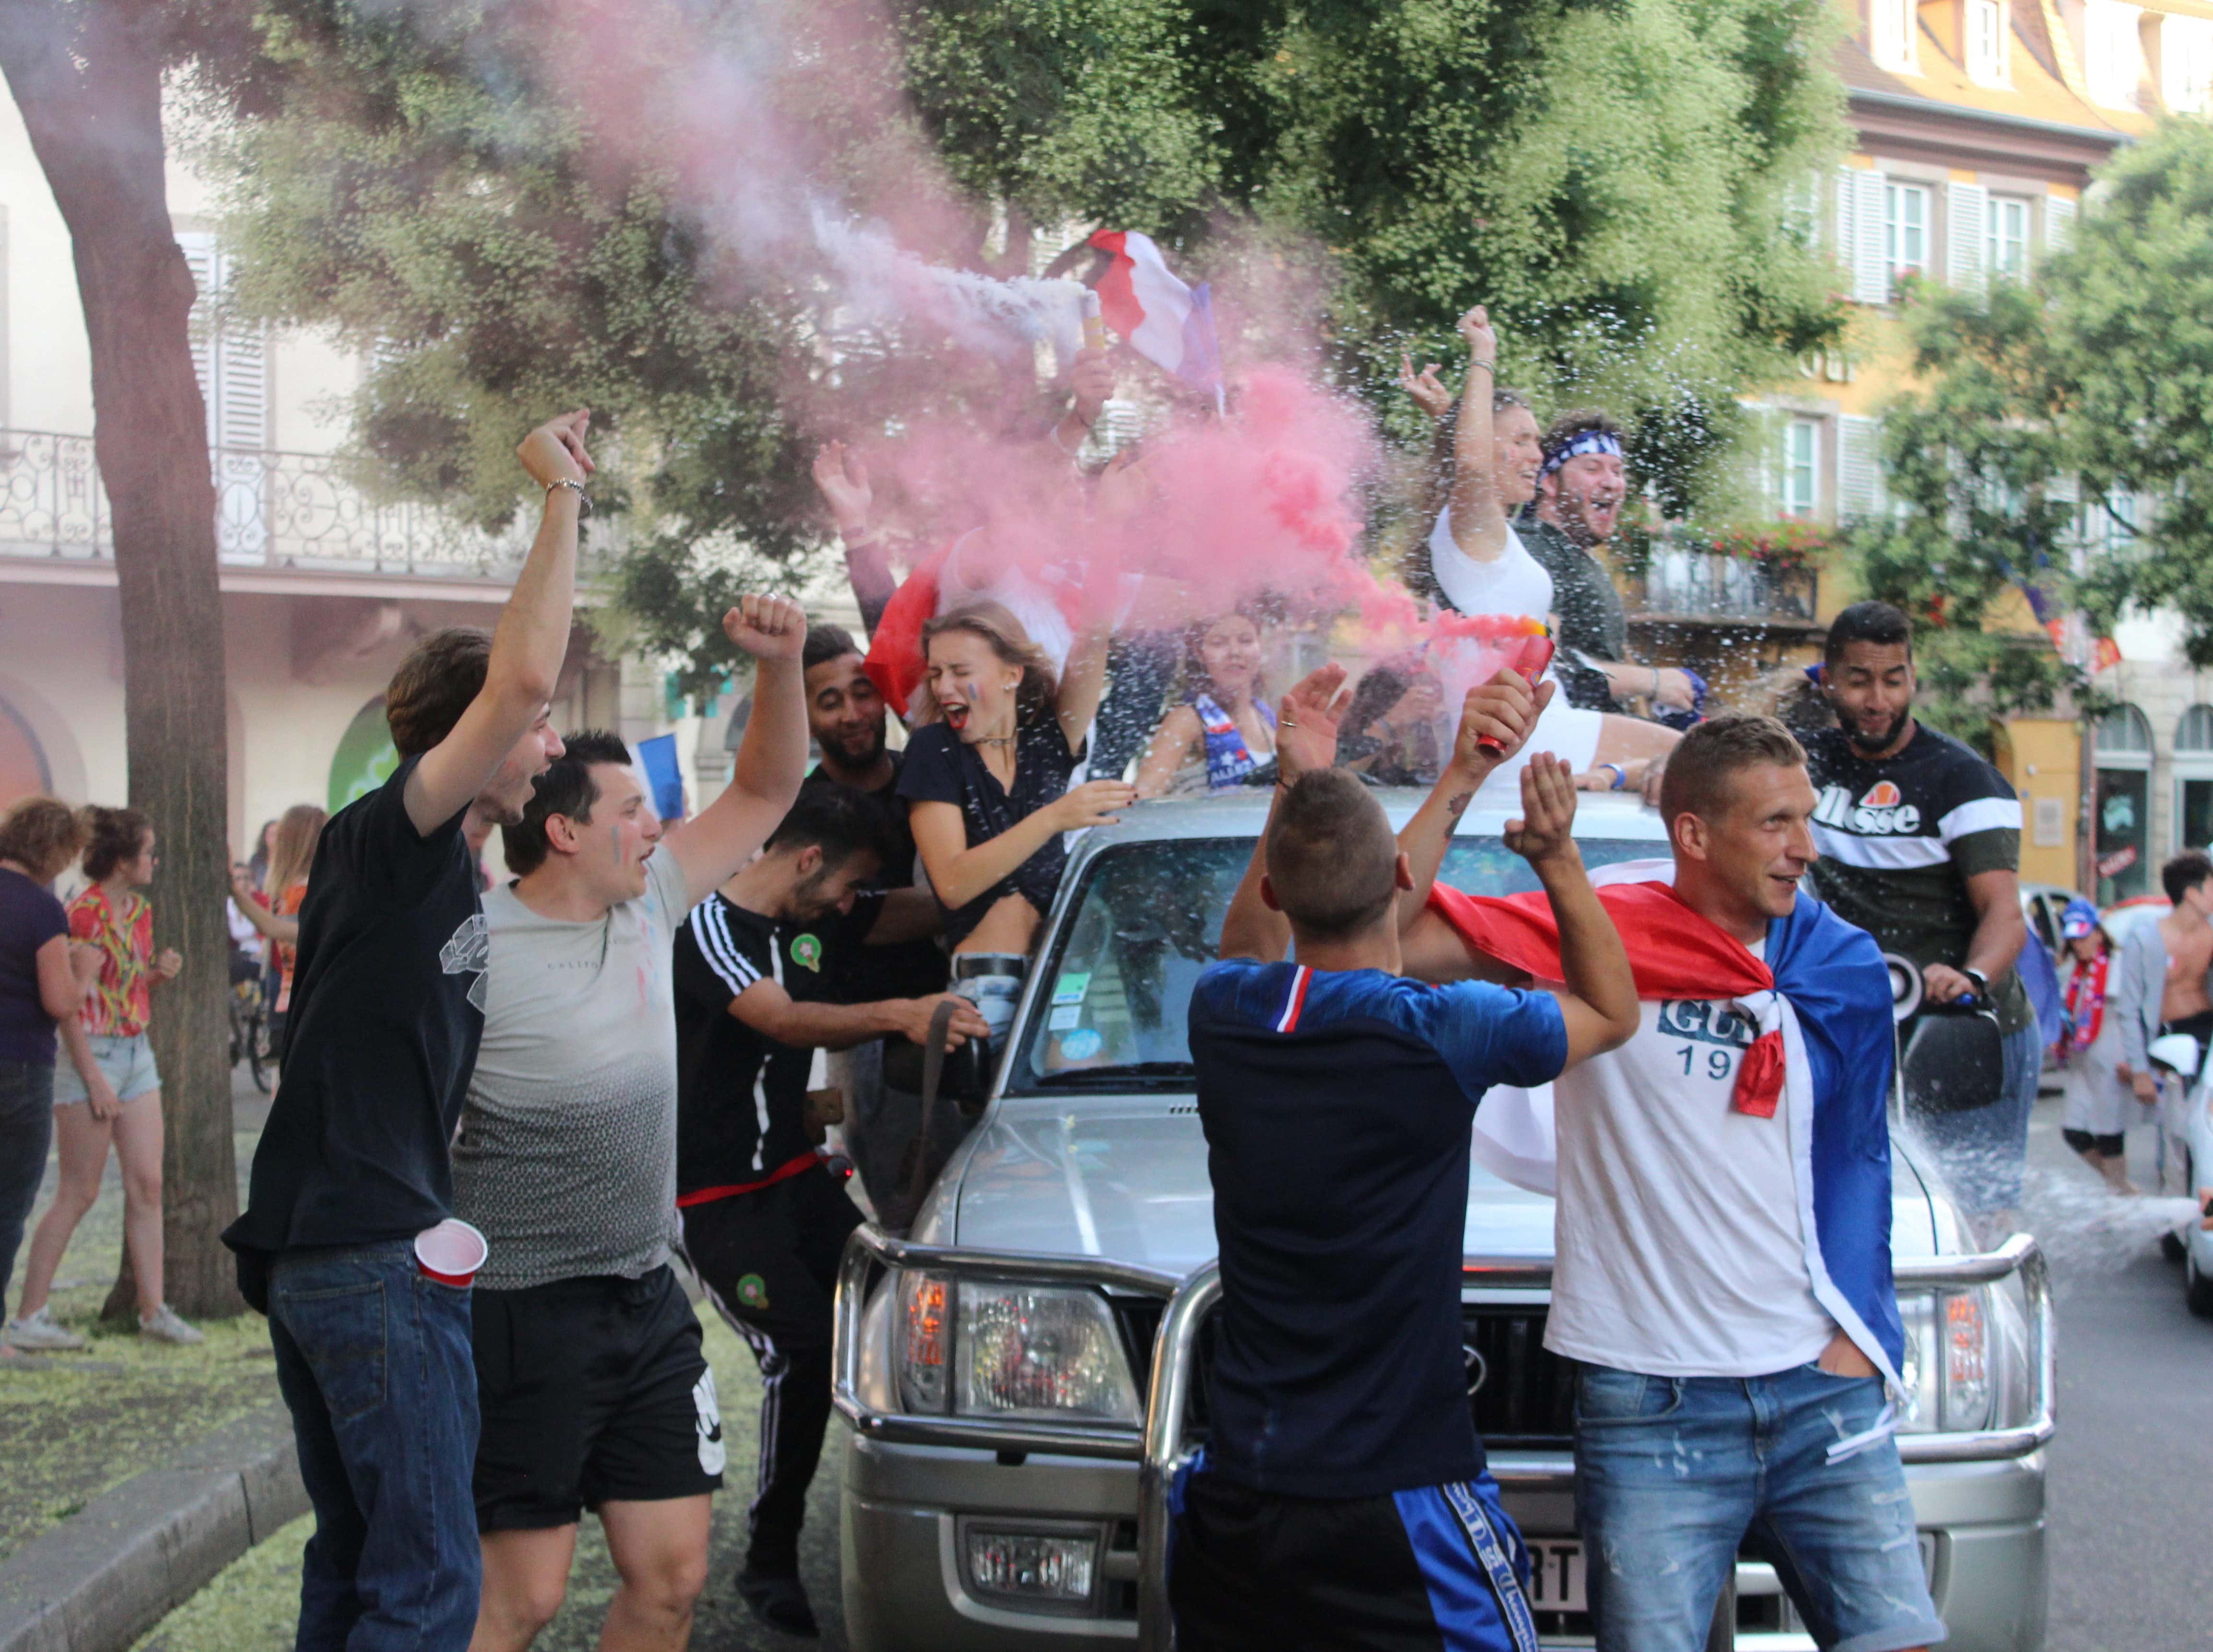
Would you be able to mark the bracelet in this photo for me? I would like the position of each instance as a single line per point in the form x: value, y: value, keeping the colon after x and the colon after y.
x: 583, y: 499
x: 1485, y: 366
x: 1621, y: 776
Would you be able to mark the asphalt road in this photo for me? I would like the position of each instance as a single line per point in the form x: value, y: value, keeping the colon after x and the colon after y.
x: 2132, y: 1479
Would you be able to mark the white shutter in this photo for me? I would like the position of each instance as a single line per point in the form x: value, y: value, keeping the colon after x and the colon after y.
x: 1966, y: 212
x: 231, y: 361
x: 2059, y: 222
x: 1870, y: 268
x: 1859, y: 466
x: 1844, y: 242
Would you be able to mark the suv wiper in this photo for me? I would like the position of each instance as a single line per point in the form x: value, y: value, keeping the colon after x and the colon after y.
x: 1121, y: 1073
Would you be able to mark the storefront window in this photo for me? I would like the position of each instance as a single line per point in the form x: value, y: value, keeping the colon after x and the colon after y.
x: 2123, y: 807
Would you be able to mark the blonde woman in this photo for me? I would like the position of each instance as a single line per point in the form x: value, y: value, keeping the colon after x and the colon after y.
x: 987, y: 785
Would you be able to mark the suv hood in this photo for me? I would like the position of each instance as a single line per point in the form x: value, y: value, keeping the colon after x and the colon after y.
x: 1127, y: 1180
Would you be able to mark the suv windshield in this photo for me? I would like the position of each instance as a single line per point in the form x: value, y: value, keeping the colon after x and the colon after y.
x: 1147, y: 920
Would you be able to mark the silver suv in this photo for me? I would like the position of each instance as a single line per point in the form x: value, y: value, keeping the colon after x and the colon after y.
x: 1020, y: 1381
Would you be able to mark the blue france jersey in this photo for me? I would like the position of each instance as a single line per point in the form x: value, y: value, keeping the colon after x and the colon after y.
x: 1338, y: 1106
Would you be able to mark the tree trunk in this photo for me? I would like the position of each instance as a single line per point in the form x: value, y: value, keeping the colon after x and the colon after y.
x: 86, y: 75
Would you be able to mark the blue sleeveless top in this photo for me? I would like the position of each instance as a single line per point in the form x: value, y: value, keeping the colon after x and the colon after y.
x: 1228, y: 760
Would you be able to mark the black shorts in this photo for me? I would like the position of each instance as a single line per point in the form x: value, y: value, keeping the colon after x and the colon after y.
x: 2111, y: 1147
x: 591, y: 1391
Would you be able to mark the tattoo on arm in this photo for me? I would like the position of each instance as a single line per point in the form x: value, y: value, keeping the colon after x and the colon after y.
x: 1457, y: 804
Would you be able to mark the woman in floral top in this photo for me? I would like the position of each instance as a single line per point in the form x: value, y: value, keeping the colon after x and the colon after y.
x: 111, y: 933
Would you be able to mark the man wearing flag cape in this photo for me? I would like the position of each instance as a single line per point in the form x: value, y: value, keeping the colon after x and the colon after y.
x: 1722, y: 1231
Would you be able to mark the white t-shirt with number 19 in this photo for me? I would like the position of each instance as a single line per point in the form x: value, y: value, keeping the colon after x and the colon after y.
x: 1679, y: 1249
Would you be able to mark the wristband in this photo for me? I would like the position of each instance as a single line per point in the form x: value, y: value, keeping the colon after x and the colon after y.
x: 1485, y: 366
x: 1982, y: 981
x: 583, y: 499
x: 1621, y: 776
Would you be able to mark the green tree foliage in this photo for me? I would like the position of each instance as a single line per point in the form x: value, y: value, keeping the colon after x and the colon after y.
x: 2096, y: 380
x: 1613, y: 178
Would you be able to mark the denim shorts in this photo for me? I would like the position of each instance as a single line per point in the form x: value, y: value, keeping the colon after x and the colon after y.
x: 127, y: 1064
x: 1674, y: 1473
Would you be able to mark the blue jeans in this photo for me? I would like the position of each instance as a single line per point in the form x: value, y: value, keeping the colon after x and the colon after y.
x: 1674, y: 1473
x: 1979, y: 1150
x: 27, y: 1131
x: 374, y: 1361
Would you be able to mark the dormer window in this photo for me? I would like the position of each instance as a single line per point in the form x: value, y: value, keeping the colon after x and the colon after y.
x: 1893, y: 25
x: 1988, y: 37
x: 2114, y: 60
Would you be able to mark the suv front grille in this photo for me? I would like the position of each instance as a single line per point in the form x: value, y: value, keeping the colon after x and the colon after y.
x: 1524, y: 1400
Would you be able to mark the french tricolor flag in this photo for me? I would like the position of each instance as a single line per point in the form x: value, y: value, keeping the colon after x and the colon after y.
x: 1167, y: 322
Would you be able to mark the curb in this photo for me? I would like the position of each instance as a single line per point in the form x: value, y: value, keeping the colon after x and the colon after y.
x: 109, y: 1573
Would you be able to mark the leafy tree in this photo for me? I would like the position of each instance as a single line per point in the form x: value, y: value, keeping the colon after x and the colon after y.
x: 2097, y: 379
x: 87, y: 75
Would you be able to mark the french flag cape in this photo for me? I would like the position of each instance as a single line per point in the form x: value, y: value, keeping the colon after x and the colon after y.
x: 1822, y: 1004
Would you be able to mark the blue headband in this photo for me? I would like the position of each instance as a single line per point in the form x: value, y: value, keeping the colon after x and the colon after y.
x: 1581, y: 442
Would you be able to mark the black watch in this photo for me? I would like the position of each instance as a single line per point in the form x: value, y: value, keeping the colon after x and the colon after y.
x: 1982, y: 981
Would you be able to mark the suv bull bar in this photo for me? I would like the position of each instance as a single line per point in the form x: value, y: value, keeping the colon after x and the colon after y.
x: 1159, y: 1449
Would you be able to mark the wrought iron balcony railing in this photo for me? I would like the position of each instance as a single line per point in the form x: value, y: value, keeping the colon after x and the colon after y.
x: 297, y: 510
x: 1712, y: 588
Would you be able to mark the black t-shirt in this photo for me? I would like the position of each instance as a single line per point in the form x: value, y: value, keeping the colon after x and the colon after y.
x: 1900, y: 839
x: 858, y: 973
x: 942, y: 768
x: 741, y: 1095
x: 1592, y: 621
x: 387, y: 1003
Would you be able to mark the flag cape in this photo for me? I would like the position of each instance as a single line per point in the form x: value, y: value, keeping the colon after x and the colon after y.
x: 893, y: 662
x: 1822, y: 994
x: 1169, y: 324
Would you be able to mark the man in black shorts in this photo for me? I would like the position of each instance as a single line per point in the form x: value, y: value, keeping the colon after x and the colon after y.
x: 592, y: 1384
x: 387, y: 1002
x: 1342, y: 1499
x: 764, y: 1219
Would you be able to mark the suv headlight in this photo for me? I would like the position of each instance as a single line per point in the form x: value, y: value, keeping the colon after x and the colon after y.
x: 1947, y: 1361
x: 985, y: 1350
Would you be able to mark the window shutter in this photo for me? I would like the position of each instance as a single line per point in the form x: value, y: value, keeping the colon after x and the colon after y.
x: 1859, y: 466
x: 231, y: 361
x: 198, y: 248
x: 2059, y: 222
x: 1870, y: 270
x: 1967, y: 207
x: 1844, y: 242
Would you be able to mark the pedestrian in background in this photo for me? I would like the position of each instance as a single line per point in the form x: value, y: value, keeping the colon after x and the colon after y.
x: 112, y: 945
x: 2163, y: 984
x: 2098, y: 1103
x: 39, y: 992
x: 274, y: 907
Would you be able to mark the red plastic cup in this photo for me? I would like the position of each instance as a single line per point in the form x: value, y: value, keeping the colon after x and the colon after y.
x: 450, y: 1253
x: 1536, y: 654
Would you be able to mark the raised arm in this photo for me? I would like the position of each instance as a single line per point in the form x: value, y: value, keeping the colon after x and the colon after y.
x: 1600, y: 1005
x: 284, y: 931
x: 527, y: 645
x: 771, y: 762
x: 1083, y: 685
x: 843, y: 480
x: 1478, y: 521
x: 1504, y: 710
x: 771, y: 1011
x: 1306, y: 738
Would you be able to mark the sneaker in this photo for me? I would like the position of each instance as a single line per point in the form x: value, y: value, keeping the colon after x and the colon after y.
x: 162, y: 1325
x: 779, y: 1602
x: 38, y: 1331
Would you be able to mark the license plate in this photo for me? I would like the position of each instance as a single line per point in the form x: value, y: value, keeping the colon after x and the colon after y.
x: 1556, y: 1574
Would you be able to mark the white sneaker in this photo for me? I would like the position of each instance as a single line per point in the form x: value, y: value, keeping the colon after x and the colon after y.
x: 162, y: 1325
x: 38, y: 1331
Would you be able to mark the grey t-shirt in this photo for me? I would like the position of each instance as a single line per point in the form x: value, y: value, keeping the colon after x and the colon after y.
x: 566, y: 1156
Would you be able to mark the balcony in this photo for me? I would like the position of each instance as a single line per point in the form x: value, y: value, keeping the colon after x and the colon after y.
x: 305, y: 512
x: 1683, y: 586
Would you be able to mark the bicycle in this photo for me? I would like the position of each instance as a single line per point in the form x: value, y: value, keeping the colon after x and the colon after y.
x: 249, y: 1029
